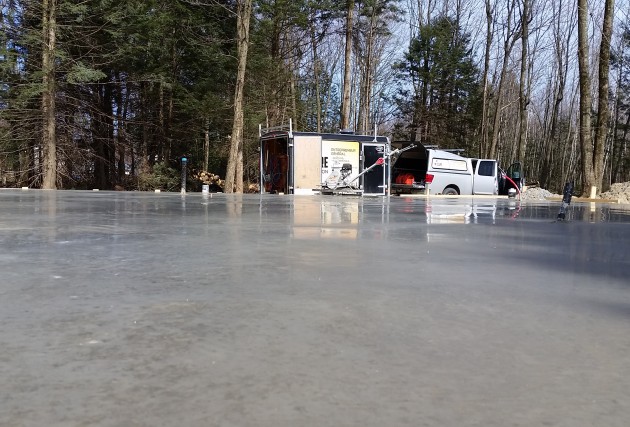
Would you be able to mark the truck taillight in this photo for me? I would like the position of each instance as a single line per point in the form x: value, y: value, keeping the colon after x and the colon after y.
x: 428, y: 178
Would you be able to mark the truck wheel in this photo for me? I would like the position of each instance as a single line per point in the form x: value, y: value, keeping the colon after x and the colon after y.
x: 450, y: 191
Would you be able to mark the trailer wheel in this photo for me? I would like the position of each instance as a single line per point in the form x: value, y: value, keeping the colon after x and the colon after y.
x: 450, y: 191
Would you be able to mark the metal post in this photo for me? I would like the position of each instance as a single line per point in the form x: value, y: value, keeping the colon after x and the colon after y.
x: 184, y: 168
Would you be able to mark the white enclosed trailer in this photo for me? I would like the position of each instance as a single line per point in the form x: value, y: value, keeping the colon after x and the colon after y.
x: 300, y: 162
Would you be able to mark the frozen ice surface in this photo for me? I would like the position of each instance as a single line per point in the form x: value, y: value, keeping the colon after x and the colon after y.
x: 143, y: 309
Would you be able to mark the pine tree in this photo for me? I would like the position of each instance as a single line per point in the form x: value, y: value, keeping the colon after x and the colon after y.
x: 438, y: 95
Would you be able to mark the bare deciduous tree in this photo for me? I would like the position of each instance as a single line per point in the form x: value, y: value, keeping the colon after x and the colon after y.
x: 484, y: 80
x: 592, y: 149
x: 347, y: 78
x: 234, y: 179
x: 523, y: 90
x: 603, y: 112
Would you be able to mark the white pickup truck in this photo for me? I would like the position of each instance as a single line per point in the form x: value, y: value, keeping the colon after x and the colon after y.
x: 444, y: 173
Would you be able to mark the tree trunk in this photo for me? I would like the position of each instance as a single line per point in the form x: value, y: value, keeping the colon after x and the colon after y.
x: 239, y: 172
x: 368, y: 80
x: 232, y: 180
x: 483, y: 147
x: 49, y: 128
x: 145, y: 163
x: 293, y: 77
x: 206, y: 145
x: 102, y: 133
x: 122, y: 131
x: 169, y: 124
x: 618, y: 169
x: 603, y: 112
x: 347, y: 78
x: 316, y: 67
x: 523, y: 84
x: 586, y: 142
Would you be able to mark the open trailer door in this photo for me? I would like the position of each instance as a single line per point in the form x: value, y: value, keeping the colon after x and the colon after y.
x: 374, y: 181
x: 307, y: 163
x: 275, y: 168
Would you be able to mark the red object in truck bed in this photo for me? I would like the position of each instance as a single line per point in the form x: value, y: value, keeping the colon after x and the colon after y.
x: 405, y: 178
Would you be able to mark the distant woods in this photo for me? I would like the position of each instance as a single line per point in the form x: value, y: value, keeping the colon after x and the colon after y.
x: 112, y: 94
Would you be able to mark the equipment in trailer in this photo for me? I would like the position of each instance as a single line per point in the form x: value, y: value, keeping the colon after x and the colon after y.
x: 340, y: 181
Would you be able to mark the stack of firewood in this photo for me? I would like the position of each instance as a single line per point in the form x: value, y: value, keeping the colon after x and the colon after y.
x: 209, y: 178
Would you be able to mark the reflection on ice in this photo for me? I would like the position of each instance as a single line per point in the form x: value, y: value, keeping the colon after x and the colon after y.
x: 332, y: 218
x: 443, y: 211
x: 470, y: 211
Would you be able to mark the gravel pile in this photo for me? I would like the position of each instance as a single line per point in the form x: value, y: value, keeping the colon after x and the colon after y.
x: 620, y: 191
x: 537, y: 193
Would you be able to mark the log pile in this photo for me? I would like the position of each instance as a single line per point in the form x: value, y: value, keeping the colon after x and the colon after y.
x: 217, y: 184
x: 209, y: 178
